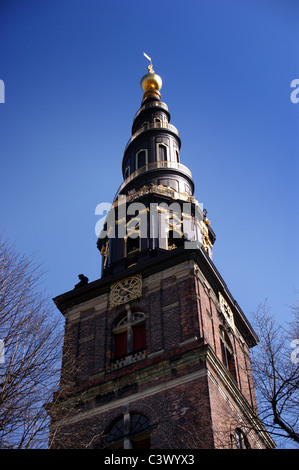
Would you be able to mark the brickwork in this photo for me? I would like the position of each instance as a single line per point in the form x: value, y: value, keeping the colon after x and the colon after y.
x: 227, y: 416
x: 180, y: 381
x: 179, y: 418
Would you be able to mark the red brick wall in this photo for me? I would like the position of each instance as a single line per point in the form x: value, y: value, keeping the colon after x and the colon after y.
x: 179, y: 418
x: 182, y: 314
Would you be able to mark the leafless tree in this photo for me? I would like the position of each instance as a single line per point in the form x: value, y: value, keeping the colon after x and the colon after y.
x: 275, y: 364
x: 31, y: 332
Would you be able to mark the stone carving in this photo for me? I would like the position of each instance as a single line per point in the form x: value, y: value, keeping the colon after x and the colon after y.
x: 227, y: 311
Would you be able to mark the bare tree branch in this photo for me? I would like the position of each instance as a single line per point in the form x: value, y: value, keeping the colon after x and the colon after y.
x: 276, y: 374
x: 32, y: 333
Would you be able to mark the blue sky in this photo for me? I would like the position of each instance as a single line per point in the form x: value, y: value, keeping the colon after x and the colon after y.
x: 72, y: 69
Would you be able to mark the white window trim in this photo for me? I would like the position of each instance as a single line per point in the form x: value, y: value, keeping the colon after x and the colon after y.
x: 158, y: 153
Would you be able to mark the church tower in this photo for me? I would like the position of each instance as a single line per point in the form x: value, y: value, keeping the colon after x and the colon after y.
x: 156, y: 351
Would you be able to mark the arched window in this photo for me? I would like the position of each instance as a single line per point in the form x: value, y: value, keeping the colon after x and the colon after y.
x: 129, y: 334
x: 132, y: 239
x: 141, y: 158
x: 227, y: 352
x: 174, y: 233
x: 127, y: 172
x: 240, y: 440
x: 174, y: 238
x: 117, y: 431
x: 162, y: 152
x: 131, y: 431
x: 132, y: 246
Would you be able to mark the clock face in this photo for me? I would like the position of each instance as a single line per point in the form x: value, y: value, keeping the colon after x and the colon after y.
x: 125, y: 290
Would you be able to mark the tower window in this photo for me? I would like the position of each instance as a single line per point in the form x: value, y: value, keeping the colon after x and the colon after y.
x: 131, y: 431
x: 240, y: 440
x: 132, y: 246
x: 227, y: 352
x: 117, y: 431
x: 133, y: 237
x: 127, y: 172
x: 121, y: 344
x: 129, y: 334
x: 162, y: 152
x: 141, y: 158
x: 174, y: 233
x: 174, y: 239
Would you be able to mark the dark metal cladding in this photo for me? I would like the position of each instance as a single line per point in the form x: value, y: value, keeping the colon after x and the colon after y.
x: 152, y: 153
x: 153, y: 176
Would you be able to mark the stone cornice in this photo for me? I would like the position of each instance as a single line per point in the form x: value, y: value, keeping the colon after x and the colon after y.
x: 163, y: 260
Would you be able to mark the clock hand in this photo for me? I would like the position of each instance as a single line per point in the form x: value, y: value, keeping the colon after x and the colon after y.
x: 126, y: 289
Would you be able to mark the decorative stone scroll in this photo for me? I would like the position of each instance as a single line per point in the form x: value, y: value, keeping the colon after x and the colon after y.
x: 226, y: 310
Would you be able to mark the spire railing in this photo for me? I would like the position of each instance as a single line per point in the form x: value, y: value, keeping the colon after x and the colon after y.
x: 152, y: 104
x: 154, y: 166
x: 153, y: 125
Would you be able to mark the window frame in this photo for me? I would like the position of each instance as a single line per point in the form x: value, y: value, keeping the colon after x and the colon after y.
x: 132, y: 252
x: 127, y: 323
x: 240, y: 439
x: 127, y: 433
x: 161, y: 144
x: 137, y: 167
x: 127, y: 172
x: 227, y: 352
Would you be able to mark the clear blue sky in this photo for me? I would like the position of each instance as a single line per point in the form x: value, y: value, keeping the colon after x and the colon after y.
x: 72, y: 69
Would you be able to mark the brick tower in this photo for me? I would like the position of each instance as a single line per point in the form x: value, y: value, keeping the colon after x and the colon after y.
x: 156, y: 351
